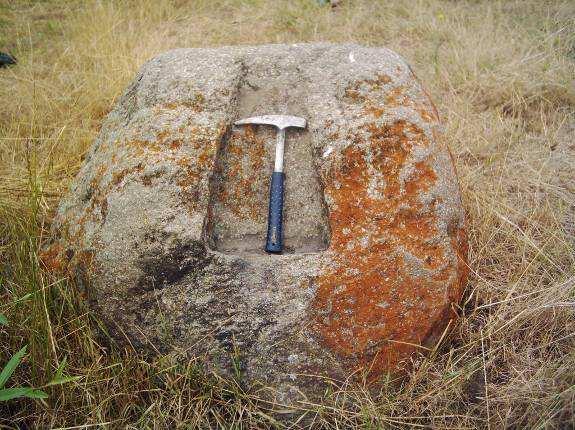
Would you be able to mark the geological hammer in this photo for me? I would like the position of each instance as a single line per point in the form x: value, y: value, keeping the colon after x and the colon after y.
x: 274, y: 241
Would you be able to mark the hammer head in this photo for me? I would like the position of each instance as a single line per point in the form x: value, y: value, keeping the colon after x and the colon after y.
x: 280, y: 121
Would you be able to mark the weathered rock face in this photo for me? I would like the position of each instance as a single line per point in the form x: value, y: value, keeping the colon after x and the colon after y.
x: 165, y: 223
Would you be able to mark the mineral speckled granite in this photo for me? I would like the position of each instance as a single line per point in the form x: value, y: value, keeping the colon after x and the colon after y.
x: 165, y: 223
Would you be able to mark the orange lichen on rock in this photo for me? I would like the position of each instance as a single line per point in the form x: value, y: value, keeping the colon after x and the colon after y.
x: 359, y: 91
x: 60, y: 261
x: 51, y: 258
x: 143, y: 146
x: 244, y: 162
x: 196, y: 104
x: 376, y: 304
x: 195, y: 167
x: 394, y: 97
x: 118, y: 177
x: 193, y: 163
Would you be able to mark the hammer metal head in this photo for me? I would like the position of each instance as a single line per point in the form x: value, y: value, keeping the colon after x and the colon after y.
x: 280, y: 121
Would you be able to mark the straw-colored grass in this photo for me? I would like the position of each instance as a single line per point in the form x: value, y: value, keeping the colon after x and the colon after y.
x: 502, y: 74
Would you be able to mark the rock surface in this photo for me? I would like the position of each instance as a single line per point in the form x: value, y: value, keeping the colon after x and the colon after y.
x: 165, y: 223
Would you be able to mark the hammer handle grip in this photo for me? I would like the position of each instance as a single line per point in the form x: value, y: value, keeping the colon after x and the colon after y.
x: 274, y: 242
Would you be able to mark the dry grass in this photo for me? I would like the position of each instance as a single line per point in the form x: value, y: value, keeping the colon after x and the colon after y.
x: 502, y: 74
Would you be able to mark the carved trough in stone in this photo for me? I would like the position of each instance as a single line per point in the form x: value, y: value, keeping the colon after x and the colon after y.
x: 166, y: 221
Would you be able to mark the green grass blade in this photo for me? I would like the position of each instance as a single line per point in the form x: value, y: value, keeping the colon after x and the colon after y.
x: 14, y: 393
x: 62, y: 380
x: 36, y: 394
x: 23, y: 298
x: 59, y: 378
x: 11, y: 366
x: 3, y: 320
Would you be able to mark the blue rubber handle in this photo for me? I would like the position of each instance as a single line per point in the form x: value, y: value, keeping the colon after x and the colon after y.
x: 274, y: 242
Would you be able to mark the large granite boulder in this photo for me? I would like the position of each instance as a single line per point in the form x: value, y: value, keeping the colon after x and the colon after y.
x: 165, y: 223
